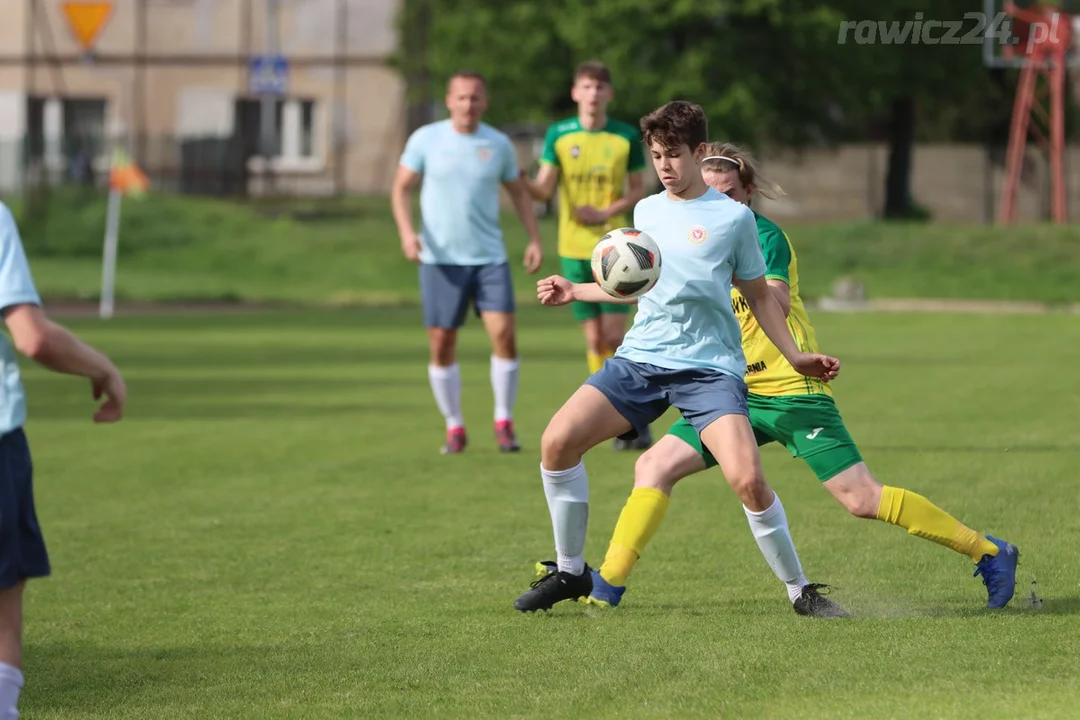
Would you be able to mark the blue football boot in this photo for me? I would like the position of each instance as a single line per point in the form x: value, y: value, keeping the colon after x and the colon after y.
x: 999, y: 573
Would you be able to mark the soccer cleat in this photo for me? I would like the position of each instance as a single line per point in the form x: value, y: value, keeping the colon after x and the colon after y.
x: 546, y: 567
x: 813, y: 603
x: 604, y: 594
x: 553, y: 588
x: 633, y: 441
x: 505, y: 436
x: 999, y: 573
x: 643, y: 441
x: 456, y: 440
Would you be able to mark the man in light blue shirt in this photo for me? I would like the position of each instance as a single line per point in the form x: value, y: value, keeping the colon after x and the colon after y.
x: 684, y: 350
x: 22, y: 546
x: 462, y: 163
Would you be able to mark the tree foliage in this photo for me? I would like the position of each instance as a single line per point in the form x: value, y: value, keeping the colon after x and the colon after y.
x: 767, y: 72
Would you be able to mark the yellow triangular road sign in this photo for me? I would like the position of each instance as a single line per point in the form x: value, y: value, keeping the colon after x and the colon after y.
x: 87, y: 19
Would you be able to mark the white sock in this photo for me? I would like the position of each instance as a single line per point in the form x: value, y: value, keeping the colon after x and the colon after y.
x: 11, y: 682
x: 567, y: 494
x: 446, y: 385
x: 504, y: 385
x: 770, y: 529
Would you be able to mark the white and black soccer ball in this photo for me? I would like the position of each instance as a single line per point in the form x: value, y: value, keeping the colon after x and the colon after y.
x: 626, y: 263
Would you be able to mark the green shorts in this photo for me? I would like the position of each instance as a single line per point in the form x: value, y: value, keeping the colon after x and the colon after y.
x: 809, y: 426
x: 580, y: 271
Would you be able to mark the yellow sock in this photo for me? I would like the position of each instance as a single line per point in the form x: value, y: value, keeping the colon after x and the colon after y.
x: 923, y: 518
x: 596, y: 360
x: 640, y: 517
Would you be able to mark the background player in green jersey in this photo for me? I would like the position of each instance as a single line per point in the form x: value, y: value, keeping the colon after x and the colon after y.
x: 598, y: 165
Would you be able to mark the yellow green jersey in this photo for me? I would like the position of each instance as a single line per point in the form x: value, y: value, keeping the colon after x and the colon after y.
x: 768, y: 372
x: 593, y: 166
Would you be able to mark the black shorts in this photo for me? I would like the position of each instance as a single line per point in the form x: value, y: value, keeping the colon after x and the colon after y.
x: 22, y: 546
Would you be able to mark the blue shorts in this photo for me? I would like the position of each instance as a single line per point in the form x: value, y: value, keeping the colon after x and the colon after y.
x: 22, y: 547
x: 447, y: 290
x: 642, y: 393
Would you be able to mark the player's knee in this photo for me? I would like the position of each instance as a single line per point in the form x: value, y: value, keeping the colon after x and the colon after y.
x: 558, y: 449
x: 595, y: 345
x: 862, y: 501
x: 749, y: 484
x: 505, y: 346
x: 612, y: 340
x: 442, y: 345
x: 857, y: 491
x: 653, y: 471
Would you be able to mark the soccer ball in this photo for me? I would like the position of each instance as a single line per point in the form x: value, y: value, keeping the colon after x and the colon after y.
x: 626, y: 263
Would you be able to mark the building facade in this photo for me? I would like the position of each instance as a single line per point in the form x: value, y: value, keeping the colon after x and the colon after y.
x: 174, y: 82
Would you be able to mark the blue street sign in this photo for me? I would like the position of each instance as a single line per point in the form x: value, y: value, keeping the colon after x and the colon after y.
x: 268, y: 75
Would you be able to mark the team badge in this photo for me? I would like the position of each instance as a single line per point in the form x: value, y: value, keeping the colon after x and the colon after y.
x: 575, y: 151
x: 698, y: 234
x: 484, y: 154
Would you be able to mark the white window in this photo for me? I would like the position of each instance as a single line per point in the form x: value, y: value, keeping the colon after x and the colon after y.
x: 296, y: 134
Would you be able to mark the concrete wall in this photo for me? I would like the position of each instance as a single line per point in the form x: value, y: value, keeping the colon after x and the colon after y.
x: 954, y: 182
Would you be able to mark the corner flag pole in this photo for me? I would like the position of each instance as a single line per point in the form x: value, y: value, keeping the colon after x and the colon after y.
x: 108, y: 264
x: 125, y: 178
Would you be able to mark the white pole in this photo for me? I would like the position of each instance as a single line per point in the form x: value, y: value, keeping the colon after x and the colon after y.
x: 108, y: 266
x: 268, y: 102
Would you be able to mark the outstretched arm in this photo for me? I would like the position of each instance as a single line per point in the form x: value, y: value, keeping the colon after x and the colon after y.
x: 557, y: 290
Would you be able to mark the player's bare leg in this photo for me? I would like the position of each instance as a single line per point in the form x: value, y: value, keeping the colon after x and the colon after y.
x: 665, y: 464
x: 596, y: 350
x: 445, y: 379
x: 995, y: 560
x: 505, y: 371
x: 587, y: 419
x: 731, y: 441
x: 11, y: 677
x: 612, y: 330
x: 655, y: 474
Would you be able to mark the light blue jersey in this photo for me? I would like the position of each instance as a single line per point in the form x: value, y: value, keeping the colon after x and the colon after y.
x: 16, y: 288
x: 686, y: 321
x: 459, y: 199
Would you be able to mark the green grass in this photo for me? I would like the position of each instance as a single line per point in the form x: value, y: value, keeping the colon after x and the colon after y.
x: 272, y: 533
x: 176, y: 248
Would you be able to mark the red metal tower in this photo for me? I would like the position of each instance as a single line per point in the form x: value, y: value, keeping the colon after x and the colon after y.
x: 1043, y: 35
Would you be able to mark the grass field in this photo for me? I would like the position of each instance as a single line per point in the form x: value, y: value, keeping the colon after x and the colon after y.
x: 176, y: 248
x: 272, y: 533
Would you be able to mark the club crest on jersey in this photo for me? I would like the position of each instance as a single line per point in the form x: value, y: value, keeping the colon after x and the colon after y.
x: 698, y: 234
x: 575, y: 151
x: 484, y: 154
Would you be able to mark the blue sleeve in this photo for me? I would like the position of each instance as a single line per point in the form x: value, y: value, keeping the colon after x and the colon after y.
x: 16, y: 283
x: 415, y: 149
x: 748, y: 263
x: 510, y: 170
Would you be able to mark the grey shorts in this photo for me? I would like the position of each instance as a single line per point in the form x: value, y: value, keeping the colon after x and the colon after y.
x: 447, y: 291
x: 642, y: 393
